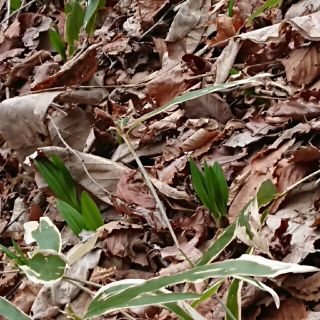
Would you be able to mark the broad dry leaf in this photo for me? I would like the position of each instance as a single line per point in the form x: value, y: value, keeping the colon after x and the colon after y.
x: 226, y: 60
x: 26, y: 114
x: 303, y: 65
x: 23, y: 70
x: 308, y: 26
x: 302, y: 8
x: 290, y: 309
x: 301, y: 213
x: 295, y: 108
x: 78, y: 70
x: 209, y: 105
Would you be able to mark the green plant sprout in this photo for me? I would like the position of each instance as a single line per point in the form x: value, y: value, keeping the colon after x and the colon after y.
x: 80, y: 213
x: 211, y: 188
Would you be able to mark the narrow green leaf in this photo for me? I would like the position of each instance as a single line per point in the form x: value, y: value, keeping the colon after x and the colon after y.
x: 224, y: 239
x: 233, y: 302
x: 230, y: 8
x: 91, y: 13
x: 74, y: 21
x: 58, y: 44
x: 207, y: 294
x: 20, y: 254
x: 91, y: 215
x: 175, y: 308
x: 267, y: 5
x: 10, y: 311
x: 73, y: 218
x: 196, y: 94
x: 9, y: 254
x: 246, y: 265
x: 221, y: 188
x: 266, y: 193
x: 198, y: 182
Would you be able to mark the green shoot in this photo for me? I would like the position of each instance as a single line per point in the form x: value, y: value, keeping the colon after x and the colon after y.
x: 79, y: 214
x: 211, y: 188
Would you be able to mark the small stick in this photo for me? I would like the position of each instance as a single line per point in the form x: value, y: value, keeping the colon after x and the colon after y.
x: 17, y: 11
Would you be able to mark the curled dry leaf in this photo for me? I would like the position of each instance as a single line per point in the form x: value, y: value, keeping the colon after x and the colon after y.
x: 295, y: 108
x: 78, y: 70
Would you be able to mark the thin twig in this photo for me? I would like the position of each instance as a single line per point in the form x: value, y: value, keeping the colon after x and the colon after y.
x: 80, y: 286
x: 156, y: 197
x: 17, y: 11
x: 111, y: 86
x: 75, y: 153
x: 9, y: 271
x: 86, y: 282
x: 298, y: 183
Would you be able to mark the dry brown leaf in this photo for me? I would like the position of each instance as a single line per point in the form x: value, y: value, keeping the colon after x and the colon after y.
x: 23, y: 70
x: 302, y: 8
x: 25, y: 295
x: 308, y: 26
x: 167, y: 85
x: 300, y: 211
x: 198, y: 139
x: 209, y: 105
x: 124, y: 240
x: 78, y: 70
x: 132, y: 189
x: 26, y: 114
x: 290, y: 309
x: 303, y: 65
x: 295, y: 108
x: 226, y: 60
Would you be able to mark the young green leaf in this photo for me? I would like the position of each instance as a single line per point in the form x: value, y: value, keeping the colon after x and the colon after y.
x: 224, y: 239
x: 266, y: 193
x: 10, y: 254
x: 45, y: 267
x: 10, y: 311
x: 58, y: 179
x: 267, y: 5
x: 91, y: 13
x: 47, y: 235
x: 73, y: 218
x: 15, y: 5
x: 74, y: 21
x: 233, y: 302
x: 58, y: 44
x: 91, y: 215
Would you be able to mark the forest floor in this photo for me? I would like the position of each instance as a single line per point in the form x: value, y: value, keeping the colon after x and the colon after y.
x: 259, y: 119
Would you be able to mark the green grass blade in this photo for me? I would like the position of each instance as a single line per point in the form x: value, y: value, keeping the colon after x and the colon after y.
x: 233, y: 302
x: 267, y: 5
x: 221, y: 188
x: 10, y: 311
x: 197, y: 94
x: 207, y: 294
x: 91, y: 215
x: 73, y: 218
x: 58, y: 43
x: 198, y: 182
x: 9, y: 254
x: 224, y: 239
x: 74, y: 22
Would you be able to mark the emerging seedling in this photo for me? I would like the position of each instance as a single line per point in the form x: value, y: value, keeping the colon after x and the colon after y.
x: 211, y: 188
x: 79, y: 214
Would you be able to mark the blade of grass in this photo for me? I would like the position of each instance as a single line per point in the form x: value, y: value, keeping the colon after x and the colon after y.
x: 90, y: 212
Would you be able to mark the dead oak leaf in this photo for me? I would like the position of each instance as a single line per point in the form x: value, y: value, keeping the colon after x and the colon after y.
x: 303, y: 65
x: 78, y: 70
